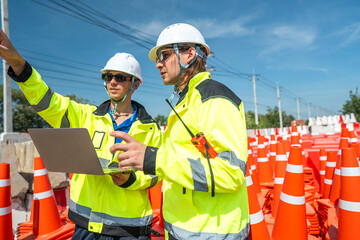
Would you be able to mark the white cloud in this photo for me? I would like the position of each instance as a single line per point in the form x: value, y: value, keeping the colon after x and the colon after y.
x: 351, y: 33
x: 210, y: 28
x: 300, y: 67
x: 288, y: 37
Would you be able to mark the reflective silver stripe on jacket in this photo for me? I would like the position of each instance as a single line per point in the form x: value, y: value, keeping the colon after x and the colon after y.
x: 233, y: 160
x: 44, y: 102
x: 179, y: 233
x: 154, y: 180
x: 198, y: 175
x: 108, y: 219
x: 65, y: 120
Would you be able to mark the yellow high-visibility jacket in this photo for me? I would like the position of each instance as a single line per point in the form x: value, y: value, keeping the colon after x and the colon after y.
x: 190, y: 211
x: 96, y: 203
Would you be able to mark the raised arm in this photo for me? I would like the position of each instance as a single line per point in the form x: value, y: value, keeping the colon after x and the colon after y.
x: 9, y: 53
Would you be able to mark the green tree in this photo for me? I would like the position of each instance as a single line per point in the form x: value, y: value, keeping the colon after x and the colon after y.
x: 161, y: 120
x: 268, y: 120
x: 352, y: 105
x: 24, y: 116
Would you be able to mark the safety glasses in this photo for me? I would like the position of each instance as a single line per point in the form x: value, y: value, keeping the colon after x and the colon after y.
x: 118, y: 77
x: 164, y: 55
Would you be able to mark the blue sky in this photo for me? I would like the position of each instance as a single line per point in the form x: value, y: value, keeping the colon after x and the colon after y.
x: 311, y: 48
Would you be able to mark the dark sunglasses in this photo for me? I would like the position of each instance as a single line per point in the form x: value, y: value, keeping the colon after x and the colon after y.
x: 118, y: 77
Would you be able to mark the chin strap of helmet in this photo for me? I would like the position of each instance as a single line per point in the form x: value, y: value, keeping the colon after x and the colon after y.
x: 199, y: 53
x: 116, y: 102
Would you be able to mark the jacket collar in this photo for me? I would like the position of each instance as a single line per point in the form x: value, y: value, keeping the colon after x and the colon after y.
x: 193, y: 81
x: 143, y: 116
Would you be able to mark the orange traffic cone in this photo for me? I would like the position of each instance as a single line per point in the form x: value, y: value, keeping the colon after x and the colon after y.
x: 265, y: 171
x: 323, y: 158
x: 252, y: 169
x: 272, y: 153
x: 258, y: 229
x: 356, y: 147
x: 349, y: 202
x: 290, y: 221
x: 46, y: 216
x: 335, y: 189
x: 329, y: 173
x: 295, y: 137
x: 5, y: 203
x: 280, y: 169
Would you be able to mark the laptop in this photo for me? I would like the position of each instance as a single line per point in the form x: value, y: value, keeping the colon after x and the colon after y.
x: 70, y: 150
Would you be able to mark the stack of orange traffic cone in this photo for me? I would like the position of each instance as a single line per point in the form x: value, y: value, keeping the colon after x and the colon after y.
x: 46, y: 216
x: 258, y: 229
x: 280, y: 169
x: 335, y: 189
x: 265, y: 171
x: 290, y: 221
x: 349, y: 202
x: 329, y: 173
x: 323, y: 158
x: 156, y: 200
x: 272, y: 153
x: 252, y: 168
x: 5, y: 203
x: 295, y: 137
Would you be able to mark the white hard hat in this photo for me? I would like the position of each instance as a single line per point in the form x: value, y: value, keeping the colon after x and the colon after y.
x: 178, y: 33
x: 124, y: 62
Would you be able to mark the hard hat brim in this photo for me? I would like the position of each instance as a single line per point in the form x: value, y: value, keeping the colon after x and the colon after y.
x: 153, y: 51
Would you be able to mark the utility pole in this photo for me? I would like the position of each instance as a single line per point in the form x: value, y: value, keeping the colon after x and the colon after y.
x: 279, y: 104
x: 8, y: 120
x: 308, y: 105
x: 298, y: 108
x: 255, y: 100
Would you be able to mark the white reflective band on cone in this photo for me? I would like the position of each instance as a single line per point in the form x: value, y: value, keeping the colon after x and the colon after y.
x: 40, y: 172
x: 292, y: 199
x: 339, y: 152
x: 256, y: 217
x: 353, y: 140
x: 323, y: 158
x: 331, y: 164
x: 250, y: 171
x: 4, y: 182
x: 349, y: 206
x: 249, y: 151
x: 43, y: 195
x: 328, y: 181
x: 322, y: 172
x: 272, y: 153
x: 279, y: 181
x: 249, y: 181
x: 337, y: 171
x: 294, y: 134
x: 295, y: 145
x: 350, y: 171
x: 272, y: 142
x: 294, y: 168
x: 5, y: 211
x: 262, y: 160
x: 261, y: 146
x: 252, y: 144
x: 253, y: 167
x: 281, y: 158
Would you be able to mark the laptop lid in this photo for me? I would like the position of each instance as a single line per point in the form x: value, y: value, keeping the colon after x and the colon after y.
x: 70, y: 150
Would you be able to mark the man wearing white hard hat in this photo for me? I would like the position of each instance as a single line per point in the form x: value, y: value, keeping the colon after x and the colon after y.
x: 114, y: 206
x: 203, y: 165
